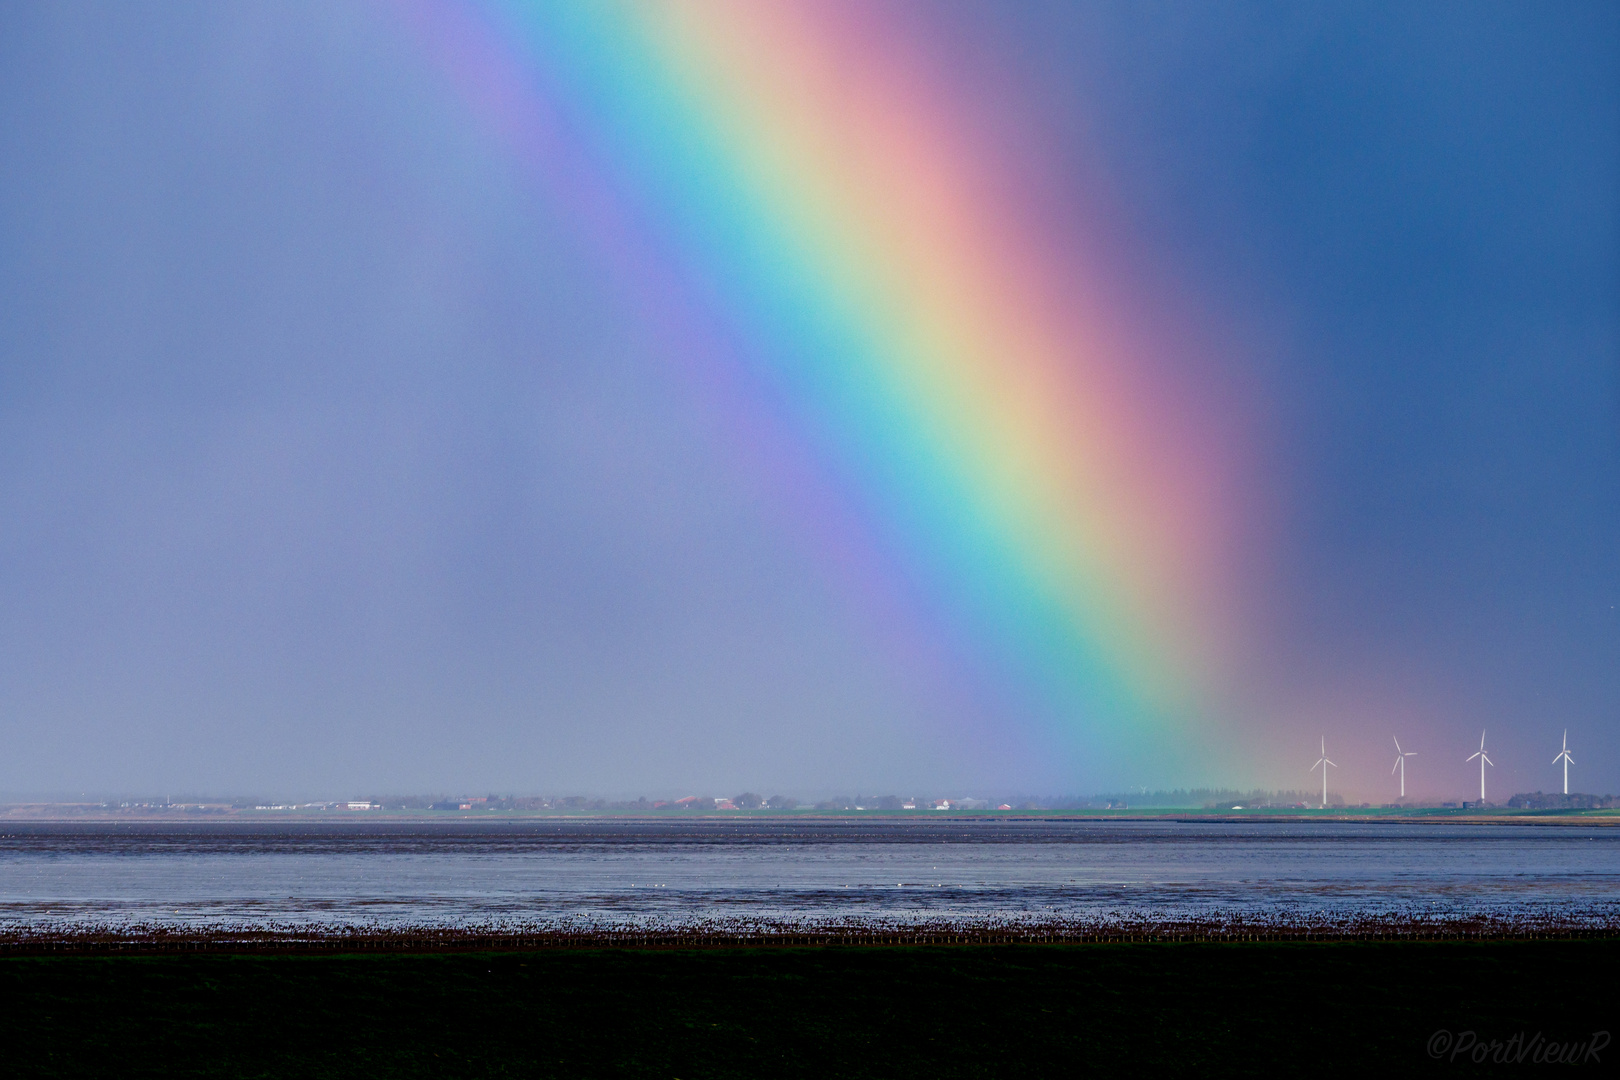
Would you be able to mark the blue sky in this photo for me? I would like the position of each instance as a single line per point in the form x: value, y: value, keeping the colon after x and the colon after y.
x: 329, y: 465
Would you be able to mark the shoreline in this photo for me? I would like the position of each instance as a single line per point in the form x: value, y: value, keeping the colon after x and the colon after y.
x: 156, y: 939
x: 55, y: 814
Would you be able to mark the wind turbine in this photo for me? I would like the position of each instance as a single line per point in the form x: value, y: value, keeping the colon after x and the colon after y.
x: 1323, y: 763
x: 1400, y: 763
x: 1483, y: 761
x: 1563, y: 755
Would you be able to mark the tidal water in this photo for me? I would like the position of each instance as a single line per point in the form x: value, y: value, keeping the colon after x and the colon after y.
x: 585, y: 874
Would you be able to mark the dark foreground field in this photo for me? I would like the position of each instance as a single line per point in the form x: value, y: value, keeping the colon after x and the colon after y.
x: 971, y: 1011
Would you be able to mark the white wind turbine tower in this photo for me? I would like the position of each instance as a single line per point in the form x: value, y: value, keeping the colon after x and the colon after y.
x: 1400, y: 763
x: 1563, y: 755
x: 1323, y: 763
x: 1483, y: 761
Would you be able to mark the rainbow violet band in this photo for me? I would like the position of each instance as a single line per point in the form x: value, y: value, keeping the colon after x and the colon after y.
x: 788, y: 194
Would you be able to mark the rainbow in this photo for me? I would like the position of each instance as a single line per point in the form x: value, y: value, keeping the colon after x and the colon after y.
x: 789, y: 194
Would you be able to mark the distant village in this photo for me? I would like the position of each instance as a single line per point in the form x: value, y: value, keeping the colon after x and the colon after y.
x: 1150, y: 802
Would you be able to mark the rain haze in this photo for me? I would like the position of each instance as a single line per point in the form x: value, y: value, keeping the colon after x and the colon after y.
x: 337, y: 457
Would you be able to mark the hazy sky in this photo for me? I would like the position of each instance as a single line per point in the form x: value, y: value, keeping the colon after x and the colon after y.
x: 332, y: 462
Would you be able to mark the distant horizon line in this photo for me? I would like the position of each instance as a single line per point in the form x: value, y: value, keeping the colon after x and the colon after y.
x: 1207, y: 798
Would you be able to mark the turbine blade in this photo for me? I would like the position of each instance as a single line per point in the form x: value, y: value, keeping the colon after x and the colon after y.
x: 1395, y: 766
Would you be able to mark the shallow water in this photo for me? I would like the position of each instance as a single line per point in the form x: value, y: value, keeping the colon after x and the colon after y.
x: 602, y: 873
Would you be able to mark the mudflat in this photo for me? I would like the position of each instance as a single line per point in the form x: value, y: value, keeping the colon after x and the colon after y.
x: 942, y: 1011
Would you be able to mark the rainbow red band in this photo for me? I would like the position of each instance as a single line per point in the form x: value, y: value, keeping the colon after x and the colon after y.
x: 792, y: 200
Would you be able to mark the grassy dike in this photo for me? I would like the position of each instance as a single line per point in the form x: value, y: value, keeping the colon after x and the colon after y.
x: 970, y: 1011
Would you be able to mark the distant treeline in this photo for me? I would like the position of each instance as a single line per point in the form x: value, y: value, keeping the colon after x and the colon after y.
x: 749, y: 800
x: 1193, y: 797
x: 1176, y: 799
x: 1558, y: 801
